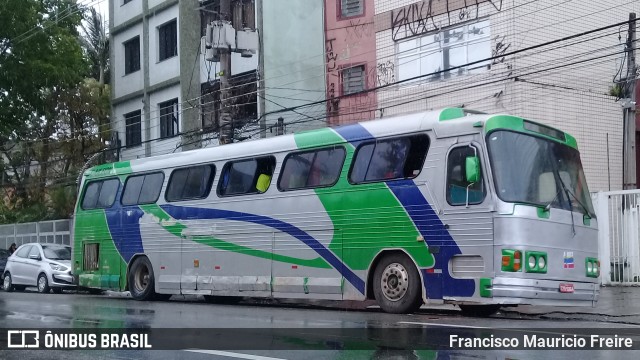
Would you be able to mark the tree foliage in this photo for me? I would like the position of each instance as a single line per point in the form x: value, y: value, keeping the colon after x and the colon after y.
x: 53, y: 115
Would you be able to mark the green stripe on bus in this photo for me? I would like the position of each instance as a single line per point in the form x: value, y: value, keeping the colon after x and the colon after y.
x: 175, y: 228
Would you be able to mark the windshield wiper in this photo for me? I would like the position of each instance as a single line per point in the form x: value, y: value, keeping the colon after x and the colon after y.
x: 575, y: 197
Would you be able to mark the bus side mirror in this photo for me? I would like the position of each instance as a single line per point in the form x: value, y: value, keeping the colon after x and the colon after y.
x: 472, y: 169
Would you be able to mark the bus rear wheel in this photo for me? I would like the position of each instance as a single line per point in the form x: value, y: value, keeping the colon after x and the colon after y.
x: 141, y: 279
x: 396, y: 285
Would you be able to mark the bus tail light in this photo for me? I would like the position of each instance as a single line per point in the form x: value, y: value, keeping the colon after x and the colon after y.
x: 536, y: 262
x: 592, y: 266
x: 511, y: 260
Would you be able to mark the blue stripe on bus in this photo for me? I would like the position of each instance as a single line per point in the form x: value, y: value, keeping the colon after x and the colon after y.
x: 188, y: 213
x: 428, y: 223
x: 124, y: 226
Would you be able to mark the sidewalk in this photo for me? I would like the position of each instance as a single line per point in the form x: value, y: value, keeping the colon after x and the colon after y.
x: 615, y: 304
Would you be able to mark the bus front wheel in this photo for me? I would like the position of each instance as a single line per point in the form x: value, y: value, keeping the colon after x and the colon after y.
x: 396, y: 285
x: 141, y: 279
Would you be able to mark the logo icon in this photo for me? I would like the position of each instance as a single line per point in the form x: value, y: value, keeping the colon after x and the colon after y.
x: 568, y: 260
x: 21, y: 339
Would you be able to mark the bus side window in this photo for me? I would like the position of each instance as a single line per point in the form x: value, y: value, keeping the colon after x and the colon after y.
x: 247, y: 176
x: 456, y: 179
x: 312, y: 169
x: 389, y: 159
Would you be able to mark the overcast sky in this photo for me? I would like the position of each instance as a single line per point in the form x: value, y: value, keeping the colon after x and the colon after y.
x: 103, y: 8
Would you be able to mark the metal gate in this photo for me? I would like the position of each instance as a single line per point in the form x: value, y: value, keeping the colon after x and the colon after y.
x: 618, y: 215
x: 54, y: 232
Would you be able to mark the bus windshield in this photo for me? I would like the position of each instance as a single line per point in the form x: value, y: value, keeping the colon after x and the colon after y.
x: 534, y: 170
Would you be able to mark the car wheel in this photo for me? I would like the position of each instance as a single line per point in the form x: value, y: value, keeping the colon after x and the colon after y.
x: 43, y: 284
x: 7, y: 284
x: 396, y: 285
x: 141, y: 280
x: 57, y: 290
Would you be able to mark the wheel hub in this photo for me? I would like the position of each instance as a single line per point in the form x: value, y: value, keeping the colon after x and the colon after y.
x: 142, y: 279
x: 394, y: 282
x: 41, y: 282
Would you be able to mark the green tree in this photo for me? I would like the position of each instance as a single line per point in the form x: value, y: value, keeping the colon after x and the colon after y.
x: 95, y: 42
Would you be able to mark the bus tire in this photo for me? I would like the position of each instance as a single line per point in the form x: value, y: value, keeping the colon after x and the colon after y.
x: 141, y: 279
x: 396, y: 285
x: 479, y: 310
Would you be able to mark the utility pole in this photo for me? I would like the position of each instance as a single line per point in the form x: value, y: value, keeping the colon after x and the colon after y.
x: 224, y: 117
x: 629, y: 155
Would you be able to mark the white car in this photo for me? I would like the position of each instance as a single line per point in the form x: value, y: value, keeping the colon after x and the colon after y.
x: 46, y: 266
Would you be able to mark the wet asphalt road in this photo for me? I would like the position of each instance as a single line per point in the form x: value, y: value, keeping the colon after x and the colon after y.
x: 69, y: 310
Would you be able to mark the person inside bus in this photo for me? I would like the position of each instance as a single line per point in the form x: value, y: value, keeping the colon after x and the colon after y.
x: 12, y: 248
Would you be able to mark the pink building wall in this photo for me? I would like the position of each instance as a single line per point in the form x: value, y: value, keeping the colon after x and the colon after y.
x: 349, y: 42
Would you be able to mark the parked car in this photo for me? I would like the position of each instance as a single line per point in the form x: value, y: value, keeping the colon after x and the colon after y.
x: 45, y: 266
x: 4, y: 255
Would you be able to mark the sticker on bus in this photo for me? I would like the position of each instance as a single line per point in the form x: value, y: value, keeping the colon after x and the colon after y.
x: 566, y: 288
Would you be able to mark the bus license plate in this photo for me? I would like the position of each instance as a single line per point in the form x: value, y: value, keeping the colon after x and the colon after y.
x: 566, y: 288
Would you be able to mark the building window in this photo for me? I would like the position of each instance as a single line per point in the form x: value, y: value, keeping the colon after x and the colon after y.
x: 350, y: 8
x: 168, y: 40
x: 132, y: 55
x: 133, y: 134
x: 451, y: 48
x: 169, y: 118
x: 353, y: 80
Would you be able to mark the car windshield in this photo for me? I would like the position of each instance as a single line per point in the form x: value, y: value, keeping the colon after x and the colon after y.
x: 530, y: 169
x: 57, y: 252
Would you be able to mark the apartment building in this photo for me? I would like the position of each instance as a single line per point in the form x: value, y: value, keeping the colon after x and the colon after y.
x: 161, y: 81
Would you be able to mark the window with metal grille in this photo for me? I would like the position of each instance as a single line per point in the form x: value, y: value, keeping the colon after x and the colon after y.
x: 133, y: 131
x: 169, y: 118
x: 446, y: 54
x: 132, y: 55
x: 353, y: 80
x: 168, y: 40
x: 90, y: 258
x: 350, y: 8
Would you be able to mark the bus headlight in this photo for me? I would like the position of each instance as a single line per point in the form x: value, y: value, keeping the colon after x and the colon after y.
x: 536, y: 262
x: 542, y: 262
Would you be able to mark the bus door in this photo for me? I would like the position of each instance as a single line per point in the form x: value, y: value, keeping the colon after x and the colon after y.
x: 300, y: 266
x: 466, y: 254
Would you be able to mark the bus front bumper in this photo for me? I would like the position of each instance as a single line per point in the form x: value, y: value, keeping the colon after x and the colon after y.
x: 544, y: 292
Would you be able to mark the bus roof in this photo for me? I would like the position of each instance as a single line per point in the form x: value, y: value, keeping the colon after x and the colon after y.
x: 444, y: 122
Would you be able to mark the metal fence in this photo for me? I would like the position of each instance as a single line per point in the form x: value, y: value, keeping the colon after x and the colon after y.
x: 52, y: 232
x: 618, y: 215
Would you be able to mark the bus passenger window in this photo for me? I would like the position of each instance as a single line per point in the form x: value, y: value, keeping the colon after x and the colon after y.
x: 142, y: 189
x: 457, y: 179
x: 312, y: 169
x: 100, y: 194
x: 190, y: 183
x: 389, y: 159
x: 247, y: 176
